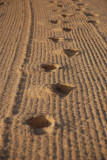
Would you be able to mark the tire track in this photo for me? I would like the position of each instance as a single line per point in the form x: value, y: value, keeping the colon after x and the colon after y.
x: 20, y: 92
x: 22, y: 83
x: 9, y: 130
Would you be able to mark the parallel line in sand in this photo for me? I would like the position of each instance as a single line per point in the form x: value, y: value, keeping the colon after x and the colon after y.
x: 9, y: 58
x: 95, y: 68
x: 10, y: 20
x: 9, y: 73
x: 97, y: 48
x: 95, y: 110
x: 10, y: 33
x: 93, y: 81
x: 97, y: 73
x: 78, y: 113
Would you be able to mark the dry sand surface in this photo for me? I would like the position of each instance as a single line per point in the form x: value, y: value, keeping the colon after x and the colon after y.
x: 53, y: 80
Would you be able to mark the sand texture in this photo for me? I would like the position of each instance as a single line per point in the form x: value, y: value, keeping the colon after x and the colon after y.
x: 53, y: 102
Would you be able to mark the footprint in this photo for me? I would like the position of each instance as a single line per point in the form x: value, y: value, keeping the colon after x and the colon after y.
x: 41, y: 123
x: 70, y: 52
x: 77, y: 9
x: 61, y: 89
x: 54, y: 21
x: 64, y: 15
x: 59, y: 5
x: 90, y: 14
x: 80, y: 9
x: 2, y: 3
x: 67, y: 29
x: 56, y: 40
x: 49, y: 67
x: 93, y: 21
x: 67, y: 15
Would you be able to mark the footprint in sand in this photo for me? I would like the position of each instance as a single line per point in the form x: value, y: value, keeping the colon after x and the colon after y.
x: 67, y: 15
x: 80, y: 9
x: 59, y: 5
x: 49, y: 67
x: 90, y: 14
x: 64, y: 15
x: 66, y: 29
x: 41, y: 124
x: 2, y: 3
x: 93, y: 21
x: 71, y: 52
x: 68, y: 52
x: 61, y: 89
x: 54, y: 21
x: 56, y: 40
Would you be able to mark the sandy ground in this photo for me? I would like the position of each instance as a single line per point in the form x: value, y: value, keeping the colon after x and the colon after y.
x: 53, y: 80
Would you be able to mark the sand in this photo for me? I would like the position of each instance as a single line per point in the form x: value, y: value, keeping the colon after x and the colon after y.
x: 53, y: 80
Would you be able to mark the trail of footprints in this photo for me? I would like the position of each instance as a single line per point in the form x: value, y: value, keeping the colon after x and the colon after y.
x: 90, y: 15
x: 45, y: 123
x: 41, y: 122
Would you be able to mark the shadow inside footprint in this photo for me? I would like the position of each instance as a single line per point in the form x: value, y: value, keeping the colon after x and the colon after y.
x: 78, y: 9
x: 64, y: 15
x: 48, y: 67
x: 92, y: 21
x: 88, y: 14
x: 59, y: 5
x: 67, y: 29
x: 1, y: 3
x: 41, y: 124
x: 56, y: 40
x: 70, y: 52
x: 61, y: 89
x: 39, y: 121
x: 54, y: 21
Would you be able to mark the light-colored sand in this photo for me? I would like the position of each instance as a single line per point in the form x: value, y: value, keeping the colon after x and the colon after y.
x: 53, y: 80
